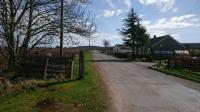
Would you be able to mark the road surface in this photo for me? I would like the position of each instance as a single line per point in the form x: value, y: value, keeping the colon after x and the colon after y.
x: 135, y: 88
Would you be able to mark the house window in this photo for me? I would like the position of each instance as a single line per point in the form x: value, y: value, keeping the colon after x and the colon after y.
x: 163, y: 52
x: 182, y: 52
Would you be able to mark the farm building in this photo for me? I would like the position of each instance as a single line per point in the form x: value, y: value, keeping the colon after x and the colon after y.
x: 119, y: 48
x: 166, y: 46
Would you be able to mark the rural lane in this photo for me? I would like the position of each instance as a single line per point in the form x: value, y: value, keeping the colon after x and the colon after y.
x: 135, y: 88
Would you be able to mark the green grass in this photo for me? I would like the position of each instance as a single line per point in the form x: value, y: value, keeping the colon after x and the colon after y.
x: 86, y: 95
x: 182, y: 73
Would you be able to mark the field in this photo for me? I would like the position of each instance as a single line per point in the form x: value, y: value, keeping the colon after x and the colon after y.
x: 86, y: 95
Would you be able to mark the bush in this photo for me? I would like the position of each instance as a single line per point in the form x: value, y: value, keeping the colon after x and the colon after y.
x: 141, y: 57
x: 121, y: 55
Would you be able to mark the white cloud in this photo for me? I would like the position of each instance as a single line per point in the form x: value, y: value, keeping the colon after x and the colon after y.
x: 176, y: 36
x: 118, y: 12
x: 99, y: 37
x: 142, y: 15
x: 162, y: 5
x: 146, y: 22
x: 107, y: 36
x: 112, y: 3
x: 180, y: 22
x: 175, y: 9
x: 110, y: 13
x: 157, y: 32
x: 164, y: 25
x: 128, y: 3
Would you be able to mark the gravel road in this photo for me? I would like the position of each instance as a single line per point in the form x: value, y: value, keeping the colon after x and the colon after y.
x: 135, y: 88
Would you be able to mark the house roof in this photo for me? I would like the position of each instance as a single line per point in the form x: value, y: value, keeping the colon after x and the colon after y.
x: 157, y: 40
x: 191, y: 45
x: 169, y: 43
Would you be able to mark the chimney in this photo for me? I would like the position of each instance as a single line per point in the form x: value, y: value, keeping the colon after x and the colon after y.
x: 154, y: 36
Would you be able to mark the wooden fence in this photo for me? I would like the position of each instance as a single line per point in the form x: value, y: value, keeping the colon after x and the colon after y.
x: 46, y: 66
x: 185, y: 62
x: 39, y: 65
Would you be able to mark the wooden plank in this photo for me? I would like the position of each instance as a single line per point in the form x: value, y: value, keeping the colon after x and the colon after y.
x: 72, y: 69
x: 45, y: 68
x: 56, y: 71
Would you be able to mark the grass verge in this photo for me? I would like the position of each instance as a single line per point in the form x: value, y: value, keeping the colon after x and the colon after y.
x: 87, y: 95
x: 178, y: 72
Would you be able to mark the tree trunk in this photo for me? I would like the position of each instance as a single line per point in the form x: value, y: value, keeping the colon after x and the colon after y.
x: 12, y: 64
x: 11, y: 38
x: 137, y: 50
x: 133, y: 51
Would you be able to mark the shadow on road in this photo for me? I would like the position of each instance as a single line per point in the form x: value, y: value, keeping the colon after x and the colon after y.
x: 121, y: 61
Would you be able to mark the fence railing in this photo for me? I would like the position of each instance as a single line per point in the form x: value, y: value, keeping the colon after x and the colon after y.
x: 43, y: 66
x: 185, y: 62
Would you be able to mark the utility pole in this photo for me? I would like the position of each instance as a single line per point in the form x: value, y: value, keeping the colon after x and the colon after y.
x: 89, y: 41
x: 61, y: 28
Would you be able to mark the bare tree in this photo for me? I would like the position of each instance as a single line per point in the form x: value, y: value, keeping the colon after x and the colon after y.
x: 76, y: 20
x: 25, y: 24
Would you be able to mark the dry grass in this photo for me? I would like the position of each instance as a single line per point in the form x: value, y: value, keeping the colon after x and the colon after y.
x: 8, y: 87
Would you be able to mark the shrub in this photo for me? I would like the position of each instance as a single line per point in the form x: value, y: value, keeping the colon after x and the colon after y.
x: 121, y: 55
x: 139, y: 57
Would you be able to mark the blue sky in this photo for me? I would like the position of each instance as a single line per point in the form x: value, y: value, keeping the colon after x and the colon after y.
x: 179, y: 18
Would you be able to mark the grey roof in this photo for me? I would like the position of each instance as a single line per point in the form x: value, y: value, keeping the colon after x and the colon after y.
x: 169, y: 43
x: 191, y: 45
x: 156, y: 40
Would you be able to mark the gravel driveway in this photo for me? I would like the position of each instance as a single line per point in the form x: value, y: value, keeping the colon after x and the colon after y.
x: 135, y: 88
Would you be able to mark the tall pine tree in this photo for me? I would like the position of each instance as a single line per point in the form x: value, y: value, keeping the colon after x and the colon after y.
x: 134, y: 34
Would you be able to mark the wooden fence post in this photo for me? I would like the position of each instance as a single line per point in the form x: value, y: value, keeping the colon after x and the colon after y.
x: 72, y: 69
x: 81, y: 65
x: 46, y: 65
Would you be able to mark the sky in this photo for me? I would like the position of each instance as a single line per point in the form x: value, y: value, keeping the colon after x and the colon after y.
x: 178, y: 18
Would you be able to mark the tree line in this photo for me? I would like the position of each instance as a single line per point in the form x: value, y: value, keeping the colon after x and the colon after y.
x: 26, y: 24
x: 134, y: 34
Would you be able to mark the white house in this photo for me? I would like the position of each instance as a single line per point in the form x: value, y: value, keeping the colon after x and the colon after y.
x: 119, y: 48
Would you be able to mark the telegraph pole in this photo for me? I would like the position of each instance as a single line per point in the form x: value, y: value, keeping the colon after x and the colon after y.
x: 61, y: 28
